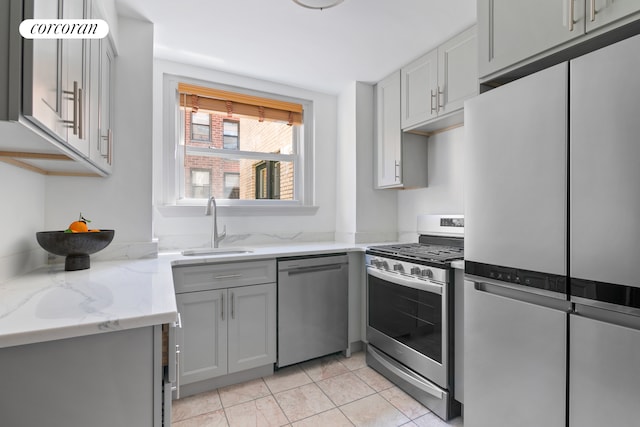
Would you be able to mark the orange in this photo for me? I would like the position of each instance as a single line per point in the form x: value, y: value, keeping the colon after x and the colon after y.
x: 78, y: 227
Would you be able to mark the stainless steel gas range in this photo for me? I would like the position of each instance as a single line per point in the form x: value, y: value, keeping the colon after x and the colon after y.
x: 410, y: 314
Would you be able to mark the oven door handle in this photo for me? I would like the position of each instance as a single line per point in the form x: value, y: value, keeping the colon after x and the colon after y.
x: 421, y: 285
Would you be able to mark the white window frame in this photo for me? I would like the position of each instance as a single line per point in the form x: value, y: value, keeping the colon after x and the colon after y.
x: 173, y: 176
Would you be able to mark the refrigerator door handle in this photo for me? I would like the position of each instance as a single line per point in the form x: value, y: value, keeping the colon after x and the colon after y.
x: 529, y: 295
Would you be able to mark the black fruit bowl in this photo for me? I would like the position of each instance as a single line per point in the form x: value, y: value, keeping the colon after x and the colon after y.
x: 75, y: 247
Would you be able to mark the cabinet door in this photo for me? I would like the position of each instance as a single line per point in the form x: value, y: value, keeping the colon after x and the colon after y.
x: 603, y: 12
x: 252, y: 326
x: 107, y: 67
x: 42, y: 97
x: 388, y: 132
x: 203, y: 337
x: 100, y: 103
x: 419, y: 90
x: 510, y: 31
x: 457, y: 71
x: 75, y: 80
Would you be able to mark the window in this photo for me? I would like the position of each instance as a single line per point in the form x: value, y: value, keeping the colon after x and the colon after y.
x: 253, y: 150
x: 267, y: 180
x: 200, y: 127
x: 230, y: 132
x: 200, y: 183
x: 232, y: 185
x: 244, y: 127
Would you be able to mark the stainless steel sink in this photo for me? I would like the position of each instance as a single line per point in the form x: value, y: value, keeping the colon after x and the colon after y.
x: 215, y: 251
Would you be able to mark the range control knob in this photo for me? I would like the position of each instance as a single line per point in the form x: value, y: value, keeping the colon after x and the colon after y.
x: 384, y: 264
x: 398, y: 267
x: 427, y: 273
x: 375, y: 262
x: 415, y: 271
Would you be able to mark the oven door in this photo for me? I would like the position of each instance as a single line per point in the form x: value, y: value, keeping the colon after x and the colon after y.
x: 407, y: 319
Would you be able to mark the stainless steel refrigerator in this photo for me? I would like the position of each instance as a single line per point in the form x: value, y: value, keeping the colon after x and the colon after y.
x: 551, y: 237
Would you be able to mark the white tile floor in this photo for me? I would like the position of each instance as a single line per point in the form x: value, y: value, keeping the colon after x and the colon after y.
x: 333, y: 391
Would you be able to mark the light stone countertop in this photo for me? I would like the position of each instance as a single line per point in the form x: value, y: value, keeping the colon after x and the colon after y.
x: 50, y: 303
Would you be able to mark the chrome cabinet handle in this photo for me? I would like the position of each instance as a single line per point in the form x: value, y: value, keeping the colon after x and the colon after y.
x: 177, y: 371
x: 73, y: 124
x: 593, y: 10
x: 109, y: 139
x: 222, y: 306
x: 571, y: 7
x: 233, y: 309
x: 397, y: 170
x: 440, y: 99
x: 433, y: 105
x: 229, y: 276
x: 80, y: 114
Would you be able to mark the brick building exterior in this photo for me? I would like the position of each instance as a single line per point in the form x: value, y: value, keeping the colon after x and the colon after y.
x: 233, y: 179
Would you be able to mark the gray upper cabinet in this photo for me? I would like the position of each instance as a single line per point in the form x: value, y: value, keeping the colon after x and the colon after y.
x: 55, y: 76
x: 515, y: 33
x: 420, y: 91
x: 54, y: 107
x: 388, y: 134
x: 435, y: 86
x: 604, y: 12
x: 510, y: 31
x: 400, y: 158
x: 100, y: 105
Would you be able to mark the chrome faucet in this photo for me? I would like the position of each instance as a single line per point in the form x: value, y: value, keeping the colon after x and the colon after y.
x: 212, y: 210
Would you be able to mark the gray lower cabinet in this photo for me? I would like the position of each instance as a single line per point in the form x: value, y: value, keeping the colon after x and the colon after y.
x: 111, y: 379
x: 228, y: 323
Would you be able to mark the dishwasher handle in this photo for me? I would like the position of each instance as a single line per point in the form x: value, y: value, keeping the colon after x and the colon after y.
x: 311, y: 269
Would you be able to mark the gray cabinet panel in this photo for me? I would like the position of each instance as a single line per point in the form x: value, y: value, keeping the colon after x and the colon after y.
x: 604, y: 162
x: 457, y: 71
x: 388, y: 133
x: 401, y: 158
x: 224, y: 275
x: 510, y: 31
x: 252, y: 327
x: 203, y: 337
x: 602, y: 12
x: 101, y: 380
x: 419, y: 88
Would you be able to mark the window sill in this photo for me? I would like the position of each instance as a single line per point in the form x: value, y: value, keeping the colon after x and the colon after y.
x: 244, y: 210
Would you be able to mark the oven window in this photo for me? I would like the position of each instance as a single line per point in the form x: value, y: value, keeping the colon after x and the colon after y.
x: 408, y: 315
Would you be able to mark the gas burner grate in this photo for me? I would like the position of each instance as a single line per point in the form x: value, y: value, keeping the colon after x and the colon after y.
x: 423, y: 251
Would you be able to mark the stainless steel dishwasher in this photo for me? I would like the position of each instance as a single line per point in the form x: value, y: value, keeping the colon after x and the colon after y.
x: 312, y: 307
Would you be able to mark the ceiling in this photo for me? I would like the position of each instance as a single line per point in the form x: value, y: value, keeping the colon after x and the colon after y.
x: 280, y: 41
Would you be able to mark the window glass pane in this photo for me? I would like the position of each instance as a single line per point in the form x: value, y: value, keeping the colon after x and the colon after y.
x: 200, y: 118
x: 200, y: 132
x: 244, y: 179
x: 200, y: 185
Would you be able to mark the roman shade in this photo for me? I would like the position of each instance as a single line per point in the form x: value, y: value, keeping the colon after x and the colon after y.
x: 200, y: 98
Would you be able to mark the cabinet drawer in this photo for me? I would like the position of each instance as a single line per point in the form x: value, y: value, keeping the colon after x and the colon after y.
x: 226, y: 275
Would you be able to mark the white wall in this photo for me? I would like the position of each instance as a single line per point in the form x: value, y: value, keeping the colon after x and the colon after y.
x: 123, y: 200
x: 21, y: 216
x: 180, y: 230
x: 363, y: 214
x: 444, y: 194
